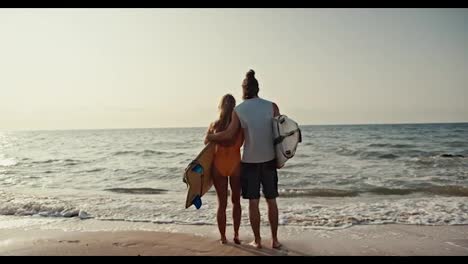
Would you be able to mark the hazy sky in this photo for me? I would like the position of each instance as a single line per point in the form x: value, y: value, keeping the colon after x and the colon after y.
x: 118, y: 68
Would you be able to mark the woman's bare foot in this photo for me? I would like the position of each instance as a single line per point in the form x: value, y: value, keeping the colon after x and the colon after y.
x: 255, y: 244
x: 236, y: 238
x: 276, y: 244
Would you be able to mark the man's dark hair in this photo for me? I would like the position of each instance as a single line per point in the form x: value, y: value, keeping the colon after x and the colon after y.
x: 250, y: 85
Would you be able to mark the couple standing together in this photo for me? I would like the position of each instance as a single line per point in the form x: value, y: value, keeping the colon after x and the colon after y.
x: 248, y: 124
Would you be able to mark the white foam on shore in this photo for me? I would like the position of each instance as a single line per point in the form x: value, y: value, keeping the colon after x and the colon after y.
x: 326, y: 213
x: 30, y: 205
x: 419, y: 211
x: 11, y: 222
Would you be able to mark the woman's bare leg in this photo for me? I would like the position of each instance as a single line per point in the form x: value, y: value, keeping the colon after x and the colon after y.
x: 234, y: 181
x: 221, y: 185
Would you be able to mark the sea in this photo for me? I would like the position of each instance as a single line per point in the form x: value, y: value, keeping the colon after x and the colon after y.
x: 340, y: 176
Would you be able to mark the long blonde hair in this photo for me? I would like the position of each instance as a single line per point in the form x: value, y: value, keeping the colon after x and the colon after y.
x: 225, y: 107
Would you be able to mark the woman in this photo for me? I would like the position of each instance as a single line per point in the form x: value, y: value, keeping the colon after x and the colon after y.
x: 226, y: 168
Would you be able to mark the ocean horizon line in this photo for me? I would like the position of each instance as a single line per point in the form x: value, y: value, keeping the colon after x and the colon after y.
x: 191, y: 127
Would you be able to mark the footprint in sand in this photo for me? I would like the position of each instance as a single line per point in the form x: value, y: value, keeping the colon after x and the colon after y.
x: 69, y: 241
x: 119, y: 244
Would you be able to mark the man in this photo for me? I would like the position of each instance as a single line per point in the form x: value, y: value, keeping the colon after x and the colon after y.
x: 258, y: 166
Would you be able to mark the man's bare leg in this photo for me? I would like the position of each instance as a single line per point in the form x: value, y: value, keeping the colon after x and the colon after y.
x: 254, y: 215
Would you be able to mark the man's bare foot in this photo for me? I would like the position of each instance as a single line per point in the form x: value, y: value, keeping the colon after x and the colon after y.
x: 276, y: 244
x: 255, y: 244
x: 223, y: 240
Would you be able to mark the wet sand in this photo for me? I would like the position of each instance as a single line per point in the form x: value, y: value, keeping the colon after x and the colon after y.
x: 399, y: 240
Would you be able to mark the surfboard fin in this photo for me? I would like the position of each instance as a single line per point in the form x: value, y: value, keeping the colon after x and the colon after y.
x: 197, y: 201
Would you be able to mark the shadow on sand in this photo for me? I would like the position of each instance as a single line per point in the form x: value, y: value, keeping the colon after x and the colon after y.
x: 267, y: 251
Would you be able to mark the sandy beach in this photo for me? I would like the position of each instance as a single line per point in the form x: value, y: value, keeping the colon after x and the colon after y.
x: 386, y: 240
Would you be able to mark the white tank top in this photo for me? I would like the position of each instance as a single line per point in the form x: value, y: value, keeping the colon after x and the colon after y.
x: 255, y: 116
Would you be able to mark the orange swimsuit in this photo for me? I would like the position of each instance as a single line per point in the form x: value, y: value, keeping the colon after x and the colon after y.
x: 226, y: 159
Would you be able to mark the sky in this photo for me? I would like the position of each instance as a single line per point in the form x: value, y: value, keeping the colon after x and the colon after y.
x: 138, y: 68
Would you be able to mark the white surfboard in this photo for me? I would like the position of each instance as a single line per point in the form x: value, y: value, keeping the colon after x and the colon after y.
x: 286, y: 137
